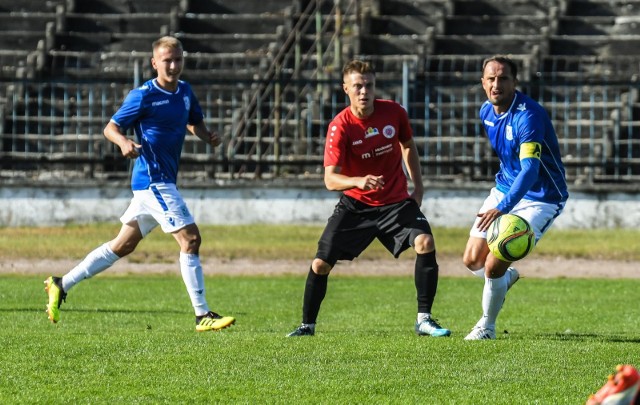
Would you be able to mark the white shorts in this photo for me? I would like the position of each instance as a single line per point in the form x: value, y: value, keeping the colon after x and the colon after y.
x: 540, y: 215
x: 160, y: 204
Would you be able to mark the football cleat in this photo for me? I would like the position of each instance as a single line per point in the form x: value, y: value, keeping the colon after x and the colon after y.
x: 213, y: 322
x: 429, y: 326
x: 480, y: 333
x: 621, y: 388
x: 53, y: 288
x: 303, y: 330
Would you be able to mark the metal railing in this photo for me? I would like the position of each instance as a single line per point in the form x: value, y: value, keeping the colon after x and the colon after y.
x: 53, y: 130
x: 272, y: 105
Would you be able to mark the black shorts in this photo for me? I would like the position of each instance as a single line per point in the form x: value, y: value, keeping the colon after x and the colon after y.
x: 354, y: 225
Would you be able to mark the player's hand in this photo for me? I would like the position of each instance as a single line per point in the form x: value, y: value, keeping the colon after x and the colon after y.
x: 417, y: 197
x: 371, y: 182
x: 214, y: 139
x: 486, y: 218
x: 130, y: 149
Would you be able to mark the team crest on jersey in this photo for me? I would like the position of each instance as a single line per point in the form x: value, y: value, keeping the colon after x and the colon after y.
x: 509, y: 134
x: 388, y: 131
x: 371, y: 132
x: 187, y: 103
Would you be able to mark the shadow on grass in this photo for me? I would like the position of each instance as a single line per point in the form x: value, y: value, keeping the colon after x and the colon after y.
x: 99, y: 310
x: 583, y: 337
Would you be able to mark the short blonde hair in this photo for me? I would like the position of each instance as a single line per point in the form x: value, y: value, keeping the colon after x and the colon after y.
x: 168, y: 42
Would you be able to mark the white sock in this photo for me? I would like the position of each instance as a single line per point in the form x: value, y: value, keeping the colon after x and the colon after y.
x: 510, y: 276
x: 477, y: 273
x: 422, y: 316
x: 97, y: 261
x: 493, y: 295
x: 193, y: 278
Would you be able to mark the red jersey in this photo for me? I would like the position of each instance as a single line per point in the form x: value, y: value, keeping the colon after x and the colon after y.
x: 371, y: 146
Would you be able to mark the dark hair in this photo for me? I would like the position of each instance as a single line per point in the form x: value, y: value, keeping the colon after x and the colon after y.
x: 503, y: 60
x: 358, y: 66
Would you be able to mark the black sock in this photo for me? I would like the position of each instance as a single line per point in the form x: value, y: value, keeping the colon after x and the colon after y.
x: 314, y: 293
x: 426, y: 279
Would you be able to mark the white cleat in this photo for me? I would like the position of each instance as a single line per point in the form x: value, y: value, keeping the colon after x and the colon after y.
x: 480, y: 333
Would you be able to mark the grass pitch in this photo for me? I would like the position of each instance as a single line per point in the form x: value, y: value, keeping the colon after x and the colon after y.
x: 288, y: 242
x: 132, y: 340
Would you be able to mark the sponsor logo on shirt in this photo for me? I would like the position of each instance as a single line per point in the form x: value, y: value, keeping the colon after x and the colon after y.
x: 358, y: 142
x: 161, y: 102
x: 371, y: 132
x: 383, y: 149
x: 365, y: 155
x: 488, y: 123
x: 388, y: 131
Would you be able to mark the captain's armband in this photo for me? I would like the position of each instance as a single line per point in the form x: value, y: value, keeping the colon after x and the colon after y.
x: 530, y: 150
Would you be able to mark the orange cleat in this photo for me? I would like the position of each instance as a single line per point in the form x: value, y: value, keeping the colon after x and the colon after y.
x: 621, y: 388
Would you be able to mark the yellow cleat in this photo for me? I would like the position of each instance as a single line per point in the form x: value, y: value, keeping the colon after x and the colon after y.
x: 213, y: 322
x: 53, y: 288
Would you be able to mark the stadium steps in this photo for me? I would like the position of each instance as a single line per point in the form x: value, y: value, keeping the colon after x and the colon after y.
x: 30, y: 6
x: 533, y: 8
x: 495, y: 24
x: 596, y: 45
x: 241, y: 7
x: 233, y: 23
x: 585, y: 68
x: 603, y: 7
x: 121, y: 6
x: 89, y: 23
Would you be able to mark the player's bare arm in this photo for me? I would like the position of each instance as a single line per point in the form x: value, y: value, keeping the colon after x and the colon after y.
x: 412, y: 163
x: 128, y: 147
x: 201, y: 131
x: 335, y: 181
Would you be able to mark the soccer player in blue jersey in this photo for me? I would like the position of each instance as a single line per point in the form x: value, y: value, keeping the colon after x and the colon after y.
x: 160, y: 112
x: 530, y: 183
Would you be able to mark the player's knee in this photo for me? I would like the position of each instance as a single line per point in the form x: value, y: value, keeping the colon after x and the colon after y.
x: 321, y: 267
x: 424, y: 243
x: 190, y: 243
x: 194, y: 242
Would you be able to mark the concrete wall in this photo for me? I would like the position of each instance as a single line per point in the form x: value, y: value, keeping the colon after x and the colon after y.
x: 444, y: 207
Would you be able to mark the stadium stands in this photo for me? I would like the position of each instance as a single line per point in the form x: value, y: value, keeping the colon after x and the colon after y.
x: 266, y: 74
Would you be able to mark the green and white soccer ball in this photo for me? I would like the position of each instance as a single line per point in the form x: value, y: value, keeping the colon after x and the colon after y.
x: 510, y: 238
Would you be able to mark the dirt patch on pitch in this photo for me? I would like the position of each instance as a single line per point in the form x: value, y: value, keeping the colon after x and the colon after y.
x: 539, y: 267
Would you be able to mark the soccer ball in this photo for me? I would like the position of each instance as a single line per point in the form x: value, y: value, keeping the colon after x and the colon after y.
x: 510, y: 238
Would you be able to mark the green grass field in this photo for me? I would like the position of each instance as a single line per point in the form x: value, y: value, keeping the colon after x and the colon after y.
x: 131, y: 339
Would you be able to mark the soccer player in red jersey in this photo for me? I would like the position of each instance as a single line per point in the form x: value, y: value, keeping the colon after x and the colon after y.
x: 366, y: 145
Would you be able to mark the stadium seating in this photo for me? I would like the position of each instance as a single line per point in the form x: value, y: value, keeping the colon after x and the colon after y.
x: 237, y: 51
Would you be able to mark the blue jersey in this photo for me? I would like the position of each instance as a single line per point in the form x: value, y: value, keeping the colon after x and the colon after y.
x: 527, y: 146
x: 160, y: 120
